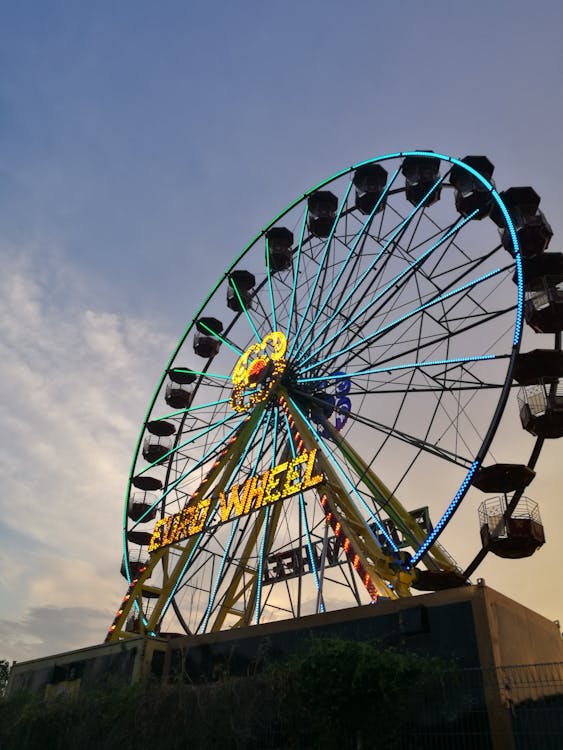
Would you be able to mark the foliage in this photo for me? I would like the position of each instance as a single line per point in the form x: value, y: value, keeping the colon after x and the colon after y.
x: 336, y: 694
x: 355, y: 693
x: 4, y: 674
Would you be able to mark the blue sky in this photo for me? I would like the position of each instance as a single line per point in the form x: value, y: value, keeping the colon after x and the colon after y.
x: 143, y: 145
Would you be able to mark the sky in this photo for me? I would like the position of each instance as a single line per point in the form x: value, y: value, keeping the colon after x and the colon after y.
x: 142, y: 145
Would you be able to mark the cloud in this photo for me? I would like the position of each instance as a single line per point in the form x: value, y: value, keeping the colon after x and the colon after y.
x: 76, y: 382
x: 49, y: 630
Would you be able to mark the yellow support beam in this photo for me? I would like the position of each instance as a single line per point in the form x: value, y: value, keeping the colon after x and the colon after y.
x: 238, y: 587
x: 381, y: 567
x: 436, y: 558
x: 224, y: 470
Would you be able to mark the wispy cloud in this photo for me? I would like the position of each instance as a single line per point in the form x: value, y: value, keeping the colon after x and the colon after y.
x: 48, y: 630
x: 75, y: 385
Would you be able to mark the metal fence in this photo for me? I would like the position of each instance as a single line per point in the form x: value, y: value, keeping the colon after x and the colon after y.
x: 506, y: 708
x: 514, y: 707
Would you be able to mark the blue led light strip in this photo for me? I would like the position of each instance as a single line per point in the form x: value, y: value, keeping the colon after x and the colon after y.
x: 296, y: 271
x: 328, y: 453
x: 491, y: 188
x: 187, y: 442
x: 418, y: 261
x: 207, y: 615
x: 304, y: 521
x: 372, y: 265
x: 353, y: 246
x: 433, y: 302
x: 460, y: 494
x: 216, y: 583
x: 261, y: 567
x: 407, y: 366
x: 408, y: 315
x: 319, y: 268
x: 265, y: 528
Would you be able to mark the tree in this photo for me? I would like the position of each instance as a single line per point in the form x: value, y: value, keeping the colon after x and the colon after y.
x: 343, y: 692
x: 4, y: 674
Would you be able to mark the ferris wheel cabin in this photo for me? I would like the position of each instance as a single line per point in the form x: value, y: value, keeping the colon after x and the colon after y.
x: 206, y: 343
x: 421, y: 177
x: 471, y: 195
x: 322, y: 211
x: 240, y: 290
x: 514, y: 536
x: 540, y: 399
x: 370, y: 181
x: 279, y: 241
x: 510, y: 524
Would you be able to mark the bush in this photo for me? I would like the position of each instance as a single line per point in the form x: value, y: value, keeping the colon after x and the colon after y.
x: 355, y: 694
x: 336, y: 694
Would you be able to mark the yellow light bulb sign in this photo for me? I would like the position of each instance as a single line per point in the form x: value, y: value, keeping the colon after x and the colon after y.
x: 284, y: 480
x: 257, y: 371
x: 255, y: 374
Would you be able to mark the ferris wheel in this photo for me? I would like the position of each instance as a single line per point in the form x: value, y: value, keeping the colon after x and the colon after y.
x: 336, y: 398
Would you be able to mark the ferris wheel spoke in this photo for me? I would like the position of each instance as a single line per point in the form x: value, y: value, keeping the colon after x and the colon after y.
x: 232, y: 282
x: 195, y: 438
x: 351, y: 254
x: 235, y: 524
x: 328, y: 454
x: 304, y: 313
x: 432, y: 342
x: 220, y: 338
x: 407, y: 366
x: 390, y: 431
x: 204, y: 459
x: 386, y: 304
x: 296, y: 272
x: 437, y: 559
x: 203, y: 373
x: 305, y: 524
x: 390, y: 286
x: 465, y: 272
x: 378, y: 333
x: 400, y: 228
x: 190, y: 409
x: 228, y: 472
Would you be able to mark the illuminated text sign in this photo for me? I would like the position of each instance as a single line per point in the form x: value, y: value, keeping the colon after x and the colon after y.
x: 281, y: 481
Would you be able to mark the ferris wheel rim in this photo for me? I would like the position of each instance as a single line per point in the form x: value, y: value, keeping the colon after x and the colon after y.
x: 515, y: 344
